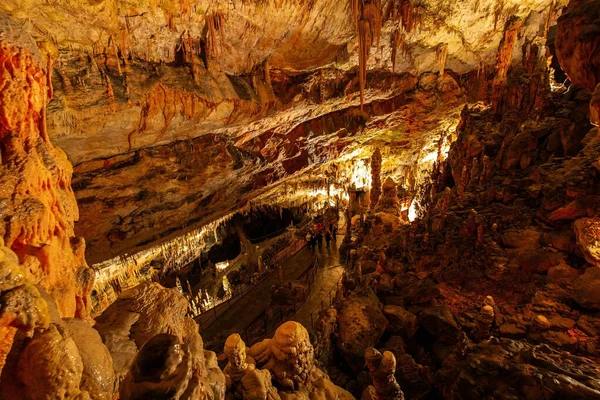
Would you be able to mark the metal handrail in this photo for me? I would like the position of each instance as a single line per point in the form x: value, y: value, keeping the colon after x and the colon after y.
x: 245, y: 288
x: 270, y: 327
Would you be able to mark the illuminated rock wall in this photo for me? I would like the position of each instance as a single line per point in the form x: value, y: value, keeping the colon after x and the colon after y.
x: 37, y: 204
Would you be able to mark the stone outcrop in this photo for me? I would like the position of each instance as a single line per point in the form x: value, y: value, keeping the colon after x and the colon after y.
x: 587, y: 288
x: 577, y: 43
x: 142, y: 313
x: 288, y: 358
x: 37, y: 202
x: 518, y: 369
x: 440, y: 322
x: 361, y: 323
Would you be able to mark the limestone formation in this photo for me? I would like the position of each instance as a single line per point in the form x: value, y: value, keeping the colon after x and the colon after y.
x: 376, y: 178
x: 586, y: 232
x: 148, y: 310
x: 239, y: 364
x: 389, y: 202
x: 38, y: 203
x: 162, y: 369
x: 382, y: 368
x: 199, y: 129
x: 577, y: 43
x: 484, y: 322
x: 288, y: 356
x: 257, y: 385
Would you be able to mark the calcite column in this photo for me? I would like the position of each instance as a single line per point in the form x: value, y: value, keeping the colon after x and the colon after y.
x: 37, y: 204
x: 375, y: 177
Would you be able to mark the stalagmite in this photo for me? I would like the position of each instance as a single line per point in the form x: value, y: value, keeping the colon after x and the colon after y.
x: 484, y: 322
x: 382, y: 368
x: 376, y: 178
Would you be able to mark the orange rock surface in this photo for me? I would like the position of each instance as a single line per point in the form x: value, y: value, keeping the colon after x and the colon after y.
x: 36, y: 199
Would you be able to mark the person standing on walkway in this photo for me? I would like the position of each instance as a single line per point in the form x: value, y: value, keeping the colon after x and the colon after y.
x: 309, y: 241
x: 327, y: 238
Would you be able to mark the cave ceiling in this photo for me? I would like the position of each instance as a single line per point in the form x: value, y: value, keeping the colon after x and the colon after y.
x: 175, y: 113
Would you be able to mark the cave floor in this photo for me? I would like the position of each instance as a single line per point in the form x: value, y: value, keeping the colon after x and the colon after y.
x: 245, y: 311
x: 328, y: 275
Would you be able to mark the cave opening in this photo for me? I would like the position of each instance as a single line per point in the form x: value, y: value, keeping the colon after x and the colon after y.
x: 264, y: 222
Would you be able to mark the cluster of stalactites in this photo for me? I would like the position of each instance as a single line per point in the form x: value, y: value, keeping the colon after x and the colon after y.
x: 215, y: 23
x: 368, y: 20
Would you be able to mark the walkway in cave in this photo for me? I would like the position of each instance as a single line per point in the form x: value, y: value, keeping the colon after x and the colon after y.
x: 245, y: 311
x: 328, y: 275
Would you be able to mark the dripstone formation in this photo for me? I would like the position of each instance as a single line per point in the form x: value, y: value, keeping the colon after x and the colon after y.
x: 176, y: 179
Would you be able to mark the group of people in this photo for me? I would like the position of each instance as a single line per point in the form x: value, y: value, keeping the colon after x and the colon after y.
x: 314, y: 237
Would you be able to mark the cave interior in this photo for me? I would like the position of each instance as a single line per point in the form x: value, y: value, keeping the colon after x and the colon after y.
x: 300, y: 199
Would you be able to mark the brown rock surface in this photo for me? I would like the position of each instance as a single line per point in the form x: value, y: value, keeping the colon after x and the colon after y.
x: 440, y: 322
x: 401, y: 321
x: 360, y: 325
x: 587, y: 232
x: 562, y: 274
x: 526, y: 370
x: 148, y: 310
x: 587, y: 288
x: 577, y: 43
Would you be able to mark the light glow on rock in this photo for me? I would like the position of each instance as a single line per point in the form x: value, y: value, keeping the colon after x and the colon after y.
x: 222, y: 265
x: 412, y: 211
x: 361, y: 175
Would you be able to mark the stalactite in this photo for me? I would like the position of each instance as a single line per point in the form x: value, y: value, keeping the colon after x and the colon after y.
x: 498, y: 11
x: 407, y: 14
x: 549, y: 19
x: 216, y: 26
x: 125, y: 42
x: 372, y: 14
x: 170, y: 22
x: 356, y: 12
x: 364, y: 34
x: 109, y: 91
x: 267, y: 69
x: 113, y: 46
x: 481, y: 69
x: 441, y: 53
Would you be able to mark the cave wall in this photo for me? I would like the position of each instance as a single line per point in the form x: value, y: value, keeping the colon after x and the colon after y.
x: 133, y: 79
x: 37, y: 203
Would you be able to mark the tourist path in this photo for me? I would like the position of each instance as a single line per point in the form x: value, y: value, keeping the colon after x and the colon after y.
x: 247, y: 309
